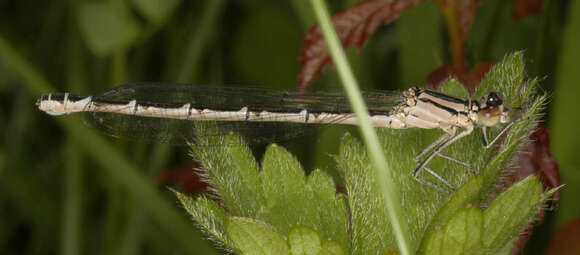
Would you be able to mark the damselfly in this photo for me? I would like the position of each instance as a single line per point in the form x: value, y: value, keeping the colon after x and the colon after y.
x: 148, y: 110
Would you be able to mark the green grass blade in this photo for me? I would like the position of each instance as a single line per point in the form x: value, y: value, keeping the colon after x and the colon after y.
x: 383, y: 174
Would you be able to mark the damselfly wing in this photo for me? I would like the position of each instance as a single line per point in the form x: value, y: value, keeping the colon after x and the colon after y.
x: 179, y: 114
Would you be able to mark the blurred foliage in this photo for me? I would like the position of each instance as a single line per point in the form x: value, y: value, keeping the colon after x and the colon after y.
x: 65, y: 189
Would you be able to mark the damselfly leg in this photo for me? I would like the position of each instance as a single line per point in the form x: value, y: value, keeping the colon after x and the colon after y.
x: 487, y: 144
x: 444, y: 141
x: 436, y: 151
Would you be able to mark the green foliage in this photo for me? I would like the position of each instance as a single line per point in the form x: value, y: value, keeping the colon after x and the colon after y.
x: 267, y: 195
x: 470, y: 231
x: 67, y: 190
x: 252, y: 56
x: 509, y: 213
x: 279, y: 203
x: 156, y: 11
x: 105, y: 28
x: 461, y: 234
x: 255, y: 237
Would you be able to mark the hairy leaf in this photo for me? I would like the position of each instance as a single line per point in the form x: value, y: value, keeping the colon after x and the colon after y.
x: 280, y: 195
x: 461, y: 235
x: 510, y: 212
x: 305, y: 241
x: 209, y: 215
x: 425, y: 207
x: 255, y: 237
x: 470, y: 79
x: 535, y: 159
x: 234, y: 176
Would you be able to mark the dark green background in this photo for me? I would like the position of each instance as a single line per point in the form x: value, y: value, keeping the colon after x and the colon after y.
x: 66, y: 189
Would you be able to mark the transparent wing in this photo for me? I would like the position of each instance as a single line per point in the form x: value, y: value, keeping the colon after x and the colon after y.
x: 227, y: 98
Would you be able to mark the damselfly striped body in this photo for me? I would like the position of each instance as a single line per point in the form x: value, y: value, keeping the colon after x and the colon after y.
x: 141, y: 107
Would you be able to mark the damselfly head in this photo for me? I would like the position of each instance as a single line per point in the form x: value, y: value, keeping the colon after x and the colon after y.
x: 492, y: 110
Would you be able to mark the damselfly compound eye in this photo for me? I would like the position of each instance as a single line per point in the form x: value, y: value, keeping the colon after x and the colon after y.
x: 491, y: 99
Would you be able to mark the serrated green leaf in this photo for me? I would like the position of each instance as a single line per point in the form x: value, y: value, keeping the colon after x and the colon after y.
x: 156, y: 11
x: 421, y: 202
x: 284, y: 185
x: 507, y: 249
x: 233, y: 173
x: 104, y: 28
x: 434, y: 242
x: 454, y: 88
x: 467, y: 194
x: 209, y: 215
x: 285, y: 195
x: 332, y: 247
x: 251, y: 236
x: 304, y: 241
x: 292, y: 198
x: 506, y: 77
x: 461, y: 235
x: 510, y: 212
x: 365, y: 204
x: 331, y: 208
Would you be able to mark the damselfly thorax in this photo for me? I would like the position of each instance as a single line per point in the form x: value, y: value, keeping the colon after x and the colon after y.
x: 150, y: 109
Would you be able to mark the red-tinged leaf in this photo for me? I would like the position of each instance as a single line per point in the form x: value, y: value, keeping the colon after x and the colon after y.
x: 185, y: 177
x: 523, y: 8
x: 567, y: 240
x: 354, y: 26
x: 470, y: 79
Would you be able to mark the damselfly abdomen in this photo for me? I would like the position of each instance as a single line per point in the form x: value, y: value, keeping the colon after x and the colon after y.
x: 180, y: 113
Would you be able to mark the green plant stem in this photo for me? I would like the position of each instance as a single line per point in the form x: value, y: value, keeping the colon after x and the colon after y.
x: 382, y: 170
